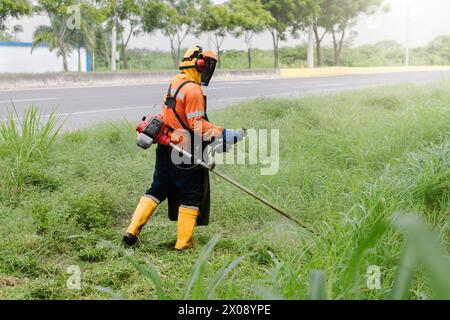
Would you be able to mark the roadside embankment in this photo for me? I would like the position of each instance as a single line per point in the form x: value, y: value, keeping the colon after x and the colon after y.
x: 53, y: 80
x: 48, y: 80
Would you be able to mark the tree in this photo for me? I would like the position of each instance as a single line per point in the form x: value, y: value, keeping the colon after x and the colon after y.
x: 337, y: 17
x: 13, y: 8
x: 85, y: 35
x: 283, y: 13
x: 127, y: 15
x: 247, y: 19
x: 437, y: 50
x: 215, y: 19
x: 102, y: 54
x: 153, y: 11
x: 318, y: 41
x: 179, y: 19
x: 70, y: 21
x: 323, y: 22
x: 305, y: 10
x: 55, y: 35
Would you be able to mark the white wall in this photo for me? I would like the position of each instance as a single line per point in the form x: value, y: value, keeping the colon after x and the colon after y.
x: 19, y: 59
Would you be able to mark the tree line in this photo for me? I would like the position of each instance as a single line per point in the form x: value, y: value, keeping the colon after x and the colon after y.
x: 88, y: 23
x: 380, y: 54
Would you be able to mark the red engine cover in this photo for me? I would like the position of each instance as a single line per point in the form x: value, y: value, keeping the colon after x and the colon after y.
x: 159, y: 137
x: 142, y: 125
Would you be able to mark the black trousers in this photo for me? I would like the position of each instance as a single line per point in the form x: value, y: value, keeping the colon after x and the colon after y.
x: 169, y: 178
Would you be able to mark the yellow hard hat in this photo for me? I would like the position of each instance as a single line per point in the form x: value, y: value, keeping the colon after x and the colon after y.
x: 203, y: 61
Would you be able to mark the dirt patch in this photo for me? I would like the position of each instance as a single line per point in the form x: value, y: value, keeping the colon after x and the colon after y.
x: 6, y: 281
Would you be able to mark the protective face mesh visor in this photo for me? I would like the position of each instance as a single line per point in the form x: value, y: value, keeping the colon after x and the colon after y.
x: 208, y: 70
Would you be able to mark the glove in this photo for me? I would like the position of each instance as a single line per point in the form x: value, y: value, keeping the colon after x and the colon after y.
x: 233, y: 136
x: 229, y: 138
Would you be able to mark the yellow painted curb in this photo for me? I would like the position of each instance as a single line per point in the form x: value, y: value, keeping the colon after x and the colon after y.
x: 341, y: 71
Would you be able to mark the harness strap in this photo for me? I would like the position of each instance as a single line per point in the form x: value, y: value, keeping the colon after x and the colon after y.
x: 173, y: 105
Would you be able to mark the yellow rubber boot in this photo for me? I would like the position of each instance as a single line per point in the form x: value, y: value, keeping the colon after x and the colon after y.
x: 187, y: 218
x: 143, y: 212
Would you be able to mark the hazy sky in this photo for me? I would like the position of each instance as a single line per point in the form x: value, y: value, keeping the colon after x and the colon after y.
x: 428, y: 19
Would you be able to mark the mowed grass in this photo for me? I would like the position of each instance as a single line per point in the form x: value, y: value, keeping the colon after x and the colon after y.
x: 349, y: 164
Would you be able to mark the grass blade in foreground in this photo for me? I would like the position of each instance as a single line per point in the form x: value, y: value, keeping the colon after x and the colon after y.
x: 405, y: 273
x: 422, y: 242
x: 316, y: 290
x: 368, y: 242
x: 194, y: 277
x: 150, y: 273
x: 220, y: 276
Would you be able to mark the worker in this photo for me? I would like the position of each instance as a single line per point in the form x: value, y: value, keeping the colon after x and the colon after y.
x: 185, y: 185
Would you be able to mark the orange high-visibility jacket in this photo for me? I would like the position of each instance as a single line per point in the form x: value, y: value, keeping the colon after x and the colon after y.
x: 191, y: 108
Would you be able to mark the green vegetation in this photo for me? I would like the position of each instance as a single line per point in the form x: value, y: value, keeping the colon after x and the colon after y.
x: 391, y: 53
x: 385, y: 53
x: 25, y: 143
x: 13, y: 8
x: 91, y: 25
x: 73, y: 24
x: 366, y: 169
x: 336, y: 20
x: 85, y: 23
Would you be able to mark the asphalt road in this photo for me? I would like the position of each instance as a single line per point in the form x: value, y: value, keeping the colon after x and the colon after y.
x: 85, y: 106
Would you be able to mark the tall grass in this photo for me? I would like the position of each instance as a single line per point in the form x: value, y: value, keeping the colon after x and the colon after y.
x: 26, y: 139
x: 422, y: 247
x: 195, y: 288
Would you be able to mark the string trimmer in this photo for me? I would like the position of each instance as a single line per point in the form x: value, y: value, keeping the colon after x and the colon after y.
x: 152, y: 130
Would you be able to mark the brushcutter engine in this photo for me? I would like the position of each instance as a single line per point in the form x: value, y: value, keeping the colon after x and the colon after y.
x: 152, y: 130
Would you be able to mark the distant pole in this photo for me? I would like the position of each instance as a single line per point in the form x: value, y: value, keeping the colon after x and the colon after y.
x: 311, y: 46
x: 408, y: 25
x: 407, y: 57
x: 113, y: 46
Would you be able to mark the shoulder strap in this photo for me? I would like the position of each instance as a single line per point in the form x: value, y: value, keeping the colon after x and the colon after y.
x: 174, y: 97
x: 181, y: 87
